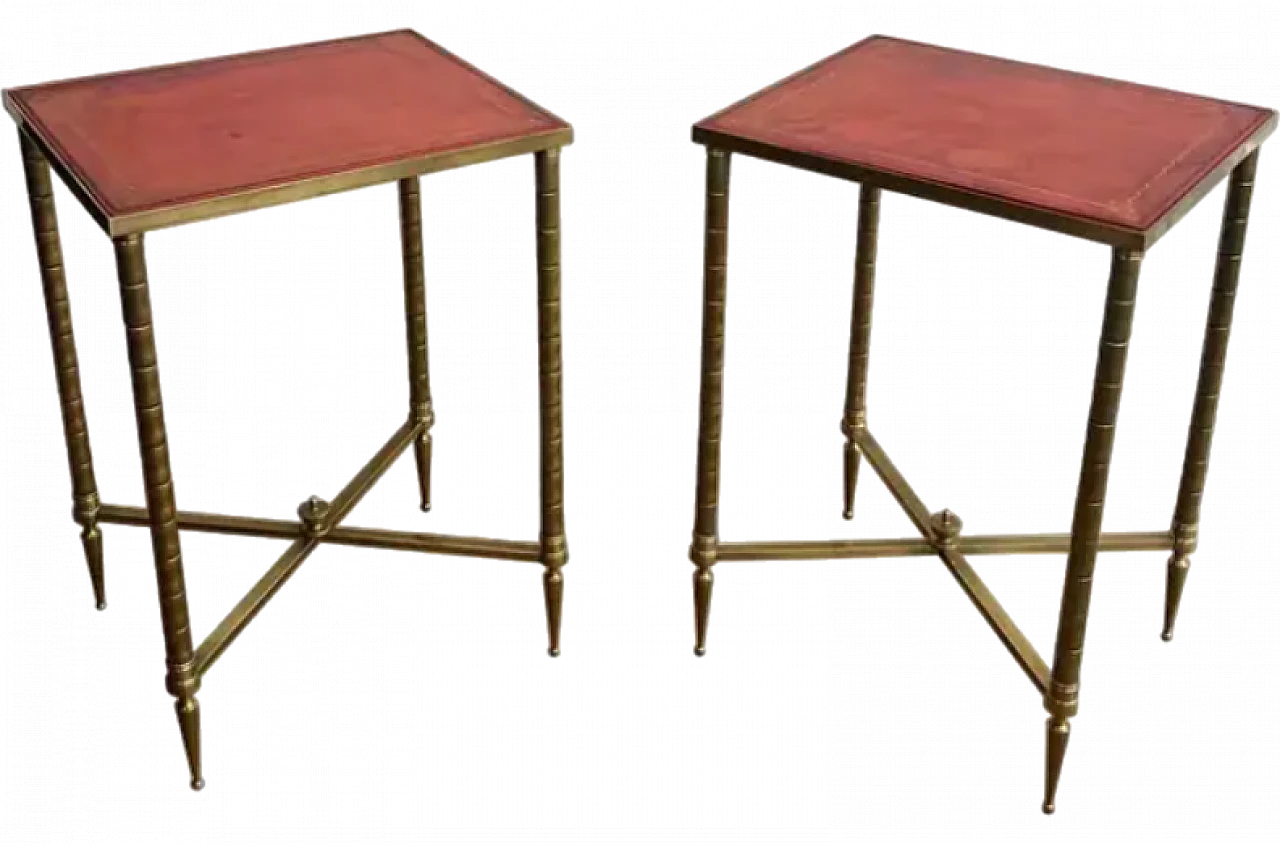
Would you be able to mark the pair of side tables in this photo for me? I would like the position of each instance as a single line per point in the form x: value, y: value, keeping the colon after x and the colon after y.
x: 1107, y: 161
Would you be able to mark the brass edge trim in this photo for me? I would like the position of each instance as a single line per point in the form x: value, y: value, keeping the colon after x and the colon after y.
x: 789, y: 78
x: 493, y: 80
x: 222, y: 57
x: 924, y: 189
x: 266, y: 197
x: 1206, y: 185
x: 1068, y: 226
x: 81, y: 191
x: 11, y: 107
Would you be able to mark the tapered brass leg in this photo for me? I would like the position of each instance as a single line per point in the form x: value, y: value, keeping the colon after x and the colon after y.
x: 415, y: 306
x: 84, y: 488
x: 555, y: 552
x: 695, y: 612
x: 182, y: 680
x: 864, y: 282
x: 1062, y: 699
x: 1213, y: 359
x: 706, y: 530
x: 553, y: 597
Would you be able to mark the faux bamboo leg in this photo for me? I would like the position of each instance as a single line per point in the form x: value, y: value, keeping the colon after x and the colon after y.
x: 864, y: 282
x: 84, y: 488
x: 1213, y: 360
x: 182, y: 680
x: 1062, y: 699
x: 415, y: 306
x: 706, y: 536
x: 555, y: 552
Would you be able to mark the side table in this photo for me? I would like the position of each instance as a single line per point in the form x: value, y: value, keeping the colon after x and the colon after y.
x: 148, y: 149
x: 1099, y: 159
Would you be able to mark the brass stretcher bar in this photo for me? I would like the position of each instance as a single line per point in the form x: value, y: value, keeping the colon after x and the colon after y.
x: 186, y: 167
x: 857, y: 115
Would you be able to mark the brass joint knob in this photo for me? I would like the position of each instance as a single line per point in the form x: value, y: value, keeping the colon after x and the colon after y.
x: 853, y: 420
x: 702, y: 552
x: 313, y: 513
x: 1185, y: 538
x: 88, y: 505
x: 946, y: 527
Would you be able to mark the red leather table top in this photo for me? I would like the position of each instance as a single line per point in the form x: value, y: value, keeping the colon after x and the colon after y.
x: 1114, y: 153
x: 169, y: 136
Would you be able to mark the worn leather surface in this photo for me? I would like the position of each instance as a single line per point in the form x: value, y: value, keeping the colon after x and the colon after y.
x: 1079, y: 145
x: 164, y: 136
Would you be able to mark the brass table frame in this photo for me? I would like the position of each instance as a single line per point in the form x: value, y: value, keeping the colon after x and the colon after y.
x: 319, y: 521
x: 1059, y: 686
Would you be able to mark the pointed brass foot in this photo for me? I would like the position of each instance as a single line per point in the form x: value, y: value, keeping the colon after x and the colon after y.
x: 191, y: 726
x: 703, y: 594
x: 91, y: 538
x: 852, y: 459
x: 1057, y: 733
x: 1176, y: 573
x: 553, y: 601
x: 423, y: 454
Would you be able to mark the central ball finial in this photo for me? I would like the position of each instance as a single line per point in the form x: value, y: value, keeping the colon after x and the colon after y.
x: 946, y: 526
x: 313, y: 512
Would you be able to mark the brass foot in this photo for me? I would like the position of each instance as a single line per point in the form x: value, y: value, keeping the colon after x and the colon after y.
x: 1057, y: 734
x: 703, y: 581
x: 91, y: 538
x: 553, y: 593
x: 189, y: 722
x: 422, y: 454
x: 852, y: 459
x: 1176, y: 578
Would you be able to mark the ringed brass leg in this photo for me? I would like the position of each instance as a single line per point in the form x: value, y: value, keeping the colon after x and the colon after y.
x: 84, y: 488
x: 554, y: 549
x: 415, y: 306
x: 1213, y: 359
x: 864, y: 282
x: 1062, y: 698
x: 706, y: 531
x: 182, y: 681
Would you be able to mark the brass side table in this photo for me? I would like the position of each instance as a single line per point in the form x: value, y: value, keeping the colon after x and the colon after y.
x: 1103, y: 160
x: 147, y: 149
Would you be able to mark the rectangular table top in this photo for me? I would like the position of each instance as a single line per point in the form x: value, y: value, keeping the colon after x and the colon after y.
x: 165, y: 145
x: 1098, y: 158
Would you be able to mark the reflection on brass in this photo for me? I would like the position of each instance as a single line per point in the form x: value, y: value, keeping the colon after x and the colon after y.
x: 942, y: 534
x: 84, y: 489
x: 1213, y: 359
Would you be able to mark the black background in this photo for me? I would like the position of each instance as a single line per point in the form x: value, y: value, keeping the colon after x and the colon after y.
x: 981, y: 366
